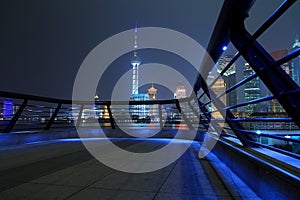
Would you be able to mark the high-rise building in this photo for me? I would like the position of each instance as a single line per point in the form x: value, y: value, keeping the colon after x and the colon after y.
x: 274, y: 104
x: 229, y: 78
x: 295, y: 63
x: 280, y: 54
x: 8, y: 108
x: 217, y: 88
x: 223, y: 62
x: 251, y: 90
x: 180, y: 91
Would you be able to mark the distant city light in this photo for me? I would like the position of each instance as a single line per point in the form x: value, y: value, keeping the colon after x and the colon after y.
x: 258, y: 132
x: 224, y: 48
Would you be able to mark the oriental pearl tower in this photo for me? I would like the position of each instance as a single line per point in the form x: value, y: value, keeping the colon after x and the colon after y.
x: 135, y: 62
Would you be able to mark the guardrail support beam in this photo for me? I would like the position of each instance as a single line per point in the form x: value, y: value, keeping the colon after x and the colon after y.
x: 79, y: 115
x: 52, y: 118
x: 112, y: 123
x: 15, y: 118
x: 275, y: 78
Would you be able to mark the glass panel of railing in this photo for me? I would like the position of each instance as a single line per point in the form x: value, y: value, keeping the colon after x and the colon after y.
x: 64, y: 117
x: 35, y: 115
x: 8, y: 107
x: 89, y: 115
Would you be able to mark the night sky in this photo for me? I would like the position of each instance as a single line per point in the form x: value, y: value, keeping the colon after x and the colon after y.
x: 43, y: 43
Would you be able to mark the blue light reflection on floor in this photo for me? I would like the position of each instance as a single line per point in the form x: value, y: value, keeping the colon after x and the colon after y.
x: 22, y: 132
x: 163, y: 140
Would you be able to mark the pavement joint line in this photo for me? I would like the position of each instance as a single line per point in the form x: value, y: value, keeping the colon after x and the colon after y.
x: 159, y: 189
x: 209, y: 161
x: 42, y: 160
x: 55, y: 184
x: 120, y: 189
x: 87, y: 186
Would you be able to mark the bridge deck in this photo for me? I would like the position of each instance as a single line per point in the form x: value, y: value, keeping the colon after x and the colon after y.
x: 64, y: 169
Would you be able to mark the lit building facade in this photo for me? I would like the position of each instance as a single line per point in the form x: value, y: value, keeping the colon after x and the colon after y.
x: 295, y: 63
x: 217, y: 88
x: 251, y: 90
x: 229, y: 78
x: 280, y: 54
x: 152, y: 95
x: 275, y: 106
x: 8, y: 108
x: 180, y: 91
x: 139, y: 111
x: 152, y: 92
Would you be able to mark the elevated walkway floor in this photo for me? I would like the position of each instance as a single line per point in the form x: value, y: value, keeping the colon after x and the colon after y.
x: 64, y: 169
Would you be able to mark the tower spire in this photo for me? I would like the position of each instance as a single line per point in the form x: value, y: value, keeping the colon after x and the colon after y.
x: 135, y: 62
x: 135, y: 46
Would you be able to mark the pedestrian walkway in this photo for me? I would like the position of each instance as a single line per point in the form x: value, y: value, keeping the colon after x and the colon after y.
x: 64, y: 169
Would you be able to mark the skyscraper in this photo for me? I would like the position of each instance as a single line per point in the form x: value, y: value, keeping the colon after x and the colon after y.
x: 295, y: 63
x: 280, y: 54
x: 274, y: 104
x: 251, y: 90
x: 218, y: 88
x: 229, y: 78
x: 180, y: 91
x: 8, y: 108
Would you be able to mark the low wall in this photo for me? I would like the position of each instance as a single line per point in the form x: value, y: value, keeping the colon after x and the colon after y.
x: 268, y: 181
x: 23, y: 137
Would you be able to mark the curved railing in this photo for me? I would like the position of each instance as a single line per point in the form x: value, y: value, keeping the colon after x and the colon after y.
x: 27, y: 112
x: 21, y: 112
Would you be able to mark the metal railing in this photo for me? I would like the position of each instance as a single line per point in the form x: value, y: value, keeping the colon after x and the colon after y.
x: 20, y: 112
x: 275, y: 131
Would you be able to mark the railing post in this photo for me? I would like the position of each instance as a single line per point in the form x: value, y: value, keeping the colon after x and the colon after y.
x: 236, y: 126
x: 197, y: 113
x: 79, y: 115
x: 187, y: 121
x: 15, y: 118
x: 160, y: 116
x: 52, y: 118
x: 112, y: 123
